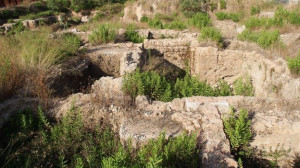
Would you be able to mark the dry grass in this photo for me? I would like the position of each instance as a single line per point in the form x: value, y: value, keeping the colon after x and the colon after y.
x: 25, y: 57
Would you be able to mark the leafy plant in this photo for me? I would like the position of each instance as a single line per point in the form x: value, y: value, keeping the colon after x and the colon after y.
x: 144, y: 19
x: 265, y: 39
x: 210, y: 33
x: 294, y: 65
x: 200, y: 20
x: 222, y: 4
x: 132, y: 35
x: 244, y: 88
x: 32, y: 141
x: 230, y: 16
x: 254, y: 11
x: 58, y: 5
x: 103, y: 34
x: 176, y: 24
x: 238, y: 130
x: 155, y: 23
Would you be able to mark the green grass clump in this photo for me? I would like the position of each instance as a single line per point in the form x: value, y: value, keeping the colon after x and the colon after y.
x: 294, y: 65
x: 281, y: 18
x: 264, y: 39
x: 132, y: 35
x: 200, y: 20
x: 157, y: 87
x: 15, y: 29
x: 176, y: 24
x: 144, y: 19
x: 228, y: 16
x: 155, y: 23
x: 213, y: 34
x: 243, y: 87
x: 103, y: 34
x: 222, y: 4
x: 29, y: 140
x: 254, y: 11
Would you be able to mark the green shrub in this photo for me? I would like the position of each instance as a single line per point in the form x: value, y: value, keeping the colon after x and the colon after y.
x: 223, y: 89
x: 213, y: 34
x: 254, y: 11
x: 58, y: 5
x: 159, y: 88
x: 230, y: 16
x: 265, y: 39
x: 191, y: 86
x: 282, y: 17
x: 294, y: 65
x: 155, y: 23
x: 200, y: 20
x: 191, y: 7
x: 144, y: 19
x: 222, y: 4
x: 78, y: 5
x: 33, y: 141
x: 10, y: 21
x: 103, y: 34
x: 132, y: 35
x: 176, y: 24
x: 244, y: 88
x: 238, y: 130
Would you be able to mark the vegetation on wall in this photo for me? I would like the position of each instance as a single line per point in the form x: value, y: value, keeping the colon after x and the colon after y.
x: 31, y: 140
x: 157, y: 87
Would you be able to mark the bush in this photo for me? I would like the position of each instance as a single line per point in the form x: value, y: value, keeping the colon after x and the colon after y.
x: 103, y: 34
x: 58, y: 5
x: 176, y: 24
x: 230, y: 16
x: 159, y: 88
x: 15, y: 29
x: 222, y: 4
x: 155, y: 23
x: 282, y: 16
x: 265, y: 39
x: 254, y: 11
x: 27, y: 54
x: 200, y: 20
x: 34, y: 141
x: 132, y: 35
x: 238, y: 130
x: 244, y: 88
x: 191, y: 7
x: 294, y: 65
x: 144, y: 19
x: 209, y: 33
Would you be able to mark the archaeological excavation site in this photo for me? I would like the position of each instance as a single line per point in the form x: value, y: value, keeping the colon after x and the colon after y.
x: 150, y: 84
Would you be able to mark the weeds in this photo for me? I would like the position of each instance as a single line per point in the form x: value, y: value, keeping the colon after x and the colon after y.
x: 191, y: 7
x: 238, y: 130
x: 243, y: 87
x: 29, y: 53
x: 254, y: 11
x: 176, y: 24
x: 155, y: 23
x: 222, y: 4
x: 103, y: 34
x: 264, y: 39
x: 159, y: 88
x: 200, y: 20
x: 210, y: 33
x: 132, y: 35
x: 294, y: 65
x: 33, y: 141
x: 228, y: 16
